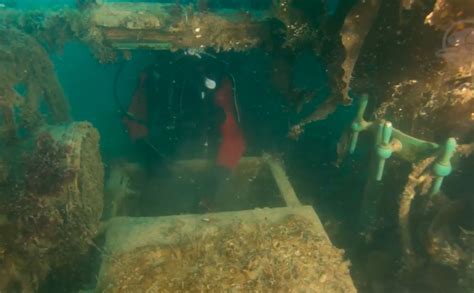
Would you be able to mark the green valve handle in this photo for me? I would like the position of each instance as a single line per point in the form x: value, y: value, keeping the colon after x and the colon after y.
x: 359, y: 123
x: 442, y: 167
x: 384, y: 149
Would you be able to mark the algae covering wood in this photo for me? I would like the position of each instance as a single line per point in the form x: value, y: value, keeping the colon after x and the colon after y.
x: 170, y: 27
x: 24, y: 63
x: 282, y: 181
x: 54, y: 213
x: 266, y: 250
x: 132, y: 16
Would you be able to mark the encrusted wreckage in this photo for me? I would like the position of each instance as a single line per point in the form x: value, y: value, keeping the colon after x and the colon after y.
x: 28, y: 79
x: 51, y: 182
x: 51, y: 204
x: 418, y: 69
x: 52, y: 175
x: 416, y: 62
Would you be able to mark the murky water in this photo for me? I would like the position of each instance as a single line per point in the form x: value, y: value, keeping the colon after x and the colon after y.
x: 276, y: 146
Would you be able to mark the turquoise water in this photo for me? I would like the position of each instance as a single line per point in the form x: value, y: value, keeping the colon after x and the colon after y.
x: 97, y: 124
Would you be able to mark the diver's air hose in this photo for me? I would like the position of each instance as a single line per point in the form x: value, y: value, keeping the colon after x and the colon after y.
x: 125, y: 113
x: 234, y: 94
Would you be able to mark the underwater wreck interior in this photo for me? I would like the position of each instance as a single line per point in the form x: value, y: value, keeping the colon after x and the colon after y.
x: 344, y: 130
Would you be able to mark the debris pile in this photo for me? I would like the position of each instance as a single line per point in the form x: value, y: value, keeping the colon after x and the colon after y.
x: 287, y: 256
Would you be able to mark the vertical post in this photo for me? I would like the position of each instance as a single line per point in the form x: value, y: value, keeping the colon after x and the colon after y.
x: 359, y: 123
x: 384, y: 149
x: 442, y: 167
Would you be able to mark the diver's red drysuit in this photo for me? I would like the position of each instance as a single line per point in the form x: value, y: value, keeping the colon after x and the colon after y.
x: 232, y: 142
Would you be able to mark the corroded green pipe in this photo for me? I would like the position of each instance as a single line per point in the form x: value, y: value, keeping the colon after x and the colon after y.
x: 384, y: 149
x: 414, y: 149
x: 359, y: 123
x: 442, y: 167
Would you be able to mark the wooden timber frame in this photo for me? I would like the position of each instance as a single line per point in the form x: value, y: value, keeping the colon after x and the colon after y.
x: 127, y: 234
x: 158, y: 26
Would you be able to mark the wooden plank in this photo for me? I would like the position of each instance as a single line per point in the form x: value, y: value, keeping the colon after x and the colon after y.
x: 142, y: 254
x: 128, y: 233
x: 159, y: 26
x: 284, y: 185
x: 199, y: 165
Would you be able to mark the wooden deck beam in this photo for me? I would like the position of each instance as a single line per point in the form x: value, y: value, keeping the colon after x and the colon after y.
x: 159, y: 26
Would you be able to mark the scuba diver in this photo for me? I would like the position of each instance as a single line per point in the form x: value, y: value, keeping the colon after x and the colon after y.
x: 187, y: 107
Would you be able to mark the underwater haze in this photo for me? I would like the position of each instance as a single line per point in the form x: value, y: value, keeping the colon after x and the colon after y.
x: 244, y: 146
